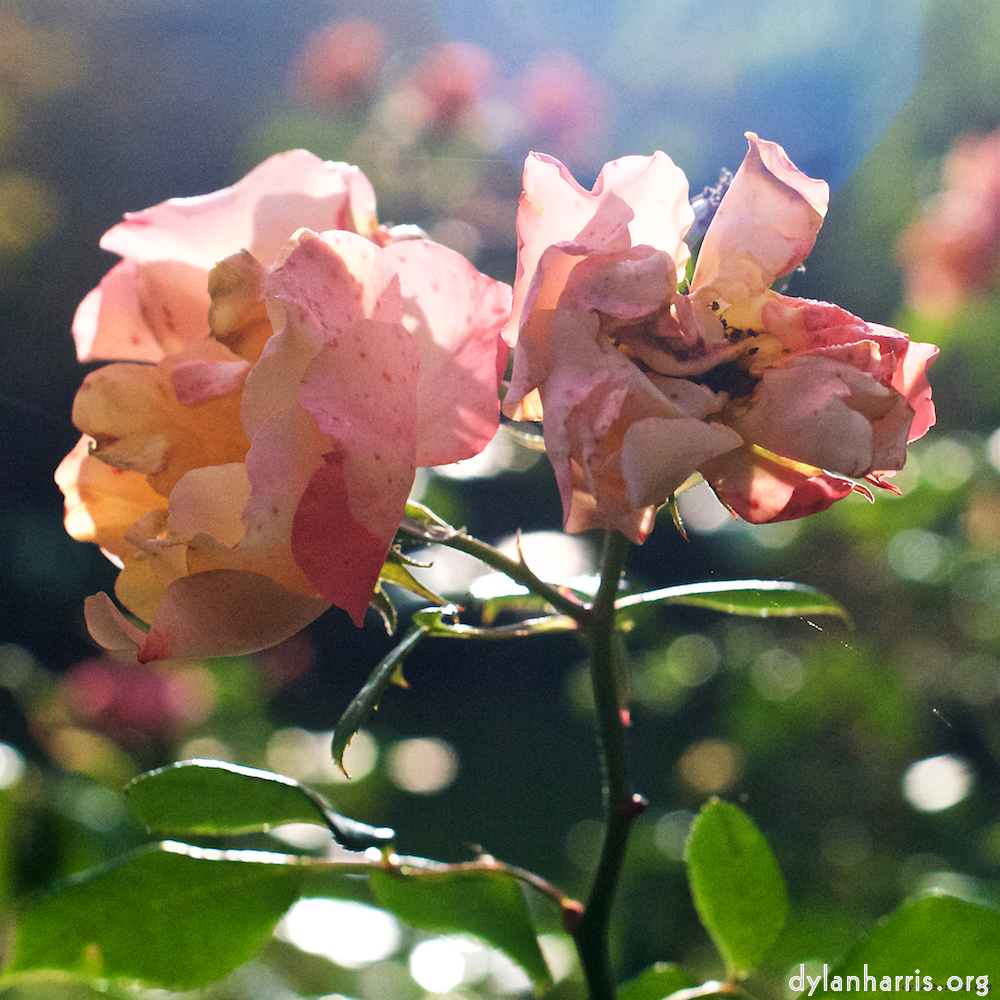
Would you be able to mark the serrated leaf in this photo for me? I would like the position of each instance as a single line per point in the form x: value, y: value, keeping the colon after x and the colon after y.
x: 367, y: 699
x: 172, y: 916
x: 736, y: 885
x: 656, y: 983
x: 215, y: 797
x: 940, y: 935
x: 486, y: 904
x: 754, y: 598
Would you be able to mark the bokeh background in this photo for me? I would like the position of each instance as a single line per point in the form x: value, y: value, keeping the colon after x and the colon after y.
x: 868, y: 755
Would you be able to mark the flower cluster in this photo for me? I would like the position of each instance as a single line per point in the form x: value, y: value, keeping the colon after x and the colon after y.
x: 285, y: 365
x: 780, y: 403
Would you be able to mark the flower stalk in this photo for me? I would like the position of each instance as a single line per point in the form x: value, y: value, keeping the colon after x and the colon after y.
x: 622, y: 807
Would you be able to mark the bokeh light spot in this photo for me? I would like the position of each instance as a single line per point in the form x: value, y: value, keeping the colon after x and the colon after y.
x: 710, y: 766
x: 937, y: 783
x: 692, y: 659
x: 701, y: 511
x: 307, y: 756
x: 347, y: 933
x: 422, y: 766
x: 437, y: 965
x: 206, y: 748
x: 671, y: 832
x: 11, y: 766
x: 777, y: 674
x: 915, y: 554
x: 946, y: 464
x: 28, y: 211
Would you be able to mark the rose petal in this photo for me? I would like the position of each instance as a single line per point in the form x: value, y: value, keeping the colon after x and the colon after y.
x: 636, y: 200
x: 455, y: 315
x: 102, y: 502
x: 109, y: 628
x: 765, y: 226
x: 829, y: 415
x: 156, y: 299
x: 658, y: 455
x: 763, y: 491
x: 138, y: 423
x: 225, y: 613
x: 340, y: 299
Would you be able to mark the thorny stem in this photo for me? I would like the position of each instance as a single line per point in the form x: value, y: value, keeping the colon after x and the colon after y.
x: 591, y: 930
x: 516, y: 569
x: 622, y: 807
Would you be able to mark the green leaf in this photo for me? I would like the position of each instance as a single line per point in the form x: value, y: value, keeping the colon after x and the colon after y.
x: 755, y: 598
x: 173, y: 916
x: 366, y: 700
x: 940, y: 935
x: 215, y: 797
x: 434, y: 620
x: 655, y: 983
x: 736, y: 885
x: 487, y: 904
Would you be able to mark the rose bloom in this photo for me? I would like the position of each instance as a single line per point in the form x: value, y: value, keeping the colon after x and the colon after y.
x: 253, y: 470
x: 952, y: 252
x: 780, y: 403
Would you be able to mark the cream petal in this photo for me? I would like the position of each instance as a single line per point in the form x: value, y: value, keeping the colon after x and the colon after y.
x: 109, y: 628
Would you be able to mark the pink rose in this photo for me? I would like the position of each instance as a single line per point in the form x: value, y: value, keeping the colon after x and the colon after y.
x: 952, y: 252
x: 778, y: 402
x: 257, y: 473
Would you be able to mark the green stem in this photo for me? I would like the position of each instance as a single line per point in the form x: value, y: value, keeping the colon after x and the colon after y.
x: 621, y: 806
x: 516, y: 569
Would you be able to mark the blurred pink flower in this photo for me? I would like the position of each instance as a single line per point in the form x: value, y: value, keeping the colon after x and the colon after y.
x: 257, y: 473
x: 562, y: 102
x: 340, y: 64
x: 775, y: 400
x: 952, y: 252
x: 440, y: 94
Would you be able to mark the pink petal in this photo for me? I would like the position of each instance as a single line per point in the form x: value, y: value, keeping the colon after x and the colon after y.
x: 629, y: 285
x: 194, y: 381
x: 910, y: 379
x: 593, y: 400
x: 636, y: 200
x: 156, y: 299
x: 109, y: 628
x: 765, y: 227
x: 331, y: 540
x: 342, y: 312
x: 762, y: 491
x: 142, y: 312
x: 225, y: 613
x: 455, y: 315
x: 829, y: 415
x: 259, y: 213
x: 659, y: 454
